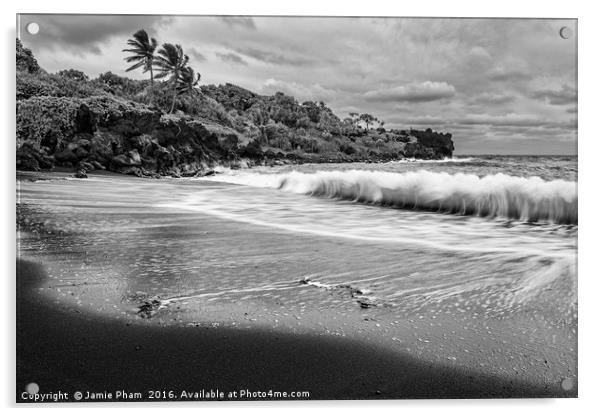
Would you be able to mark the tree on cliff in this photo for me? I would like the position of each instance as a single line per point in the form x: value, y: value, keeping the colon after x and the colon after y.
x: 171, y: 61
x: 143, y: 54
x: 354, y: 118
x: 368, y: 119
x: 188, y: 80
x: 73, y: 74
x: 26, y: 60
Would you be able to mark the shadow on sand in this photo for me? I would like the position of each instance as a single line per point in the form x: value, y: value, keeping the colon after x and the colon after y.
x: 70, y: 352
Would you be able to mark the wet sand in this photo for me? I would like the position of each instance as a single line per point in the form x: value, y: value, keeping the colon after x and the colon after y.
x: 83, y: 333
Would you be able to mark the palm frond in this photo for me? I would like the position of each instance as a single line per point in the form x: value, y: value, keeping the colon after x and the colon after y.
x: 136, y: 66
x: 136, y: 51
x: 134, y: 58
x: 142, y: 47
x: 187, y: 81
x: 162, y: 74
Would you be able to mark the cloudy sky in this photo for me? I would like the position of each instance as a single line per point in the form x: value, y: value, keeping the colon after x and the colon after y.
x: 498, y: 85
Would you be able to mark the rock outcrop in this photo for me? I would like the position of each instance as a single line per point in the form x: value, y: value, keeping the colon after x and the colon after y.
x: 108, y: 133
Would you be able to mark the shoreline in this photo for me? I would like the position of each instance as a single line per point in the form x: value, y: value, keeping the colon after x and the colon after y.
x: 239, y: 164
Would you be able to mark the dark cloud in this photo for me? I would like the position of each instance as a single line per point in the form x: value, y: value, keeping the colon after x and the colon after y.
x: 505, y: 120
x: 502, y: 120
x: 84, y: 34
x: 513, y: 145
x: 514, y: 120
x: 239, y: 21
x: 231, y: 58
x: 275, y: 58
x: 563, y: 96
x: 194, y: 53
x: 416, y: 92
x: 419, y: 121
x: 491, y: 98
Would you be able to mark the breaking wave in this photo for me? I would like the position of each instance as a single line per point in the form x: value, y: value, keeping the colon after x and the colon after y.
x: 529, y: 199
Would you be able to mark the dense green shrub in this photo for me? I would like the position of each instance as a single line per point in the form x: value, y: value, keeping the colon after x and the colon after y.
x: 277, y: 135
x: 313, y: 111
x: 73, y: 74
x: 121, y: 86
x: 231, y: 96
x: 55, y: 85
x: 25, y: 60
x: 303, y: 123
x: 30, y: 85
x: 196, y: 104
x: 347, y: 148
x: 284, y: 109
x: 53, y: 119
x: 45, y: 119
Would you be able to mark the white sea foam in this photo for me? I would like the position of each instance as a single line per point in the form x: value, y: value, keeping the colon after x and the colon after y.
x: 429, y: 161
x: 500, y: 195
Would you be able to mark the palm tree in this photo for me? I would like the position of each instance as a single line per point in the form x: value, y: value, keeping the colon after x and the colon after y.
x: 171, y: 61
x: 143, y: 54
x: 187, y: 81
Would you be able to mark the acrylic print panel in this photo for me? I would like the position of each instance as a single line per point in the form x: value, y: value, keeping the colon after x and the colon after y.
x: 294, y: 208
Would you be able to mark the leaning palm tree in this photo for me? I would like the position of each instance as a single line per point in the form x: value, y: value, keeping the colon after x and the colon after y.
x: 188, y: 80
x: 171, y: 61
x: 143, y: 54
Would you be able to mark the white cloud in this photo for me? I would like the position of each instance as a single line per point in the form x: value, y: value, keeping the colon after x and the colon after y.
x: 231, y: 58
x: 415, y: 92
x: 314, y: 92
x: 491, y: 98
x: 502, y: 74
x: 562, y: 96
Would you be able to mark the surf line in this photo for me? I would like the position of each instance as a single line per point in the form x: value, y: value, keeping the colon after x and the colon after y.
x: 193, y: 206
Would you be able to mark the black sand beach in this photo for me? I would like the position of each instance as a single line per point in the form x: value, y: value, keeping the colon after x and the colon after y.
x: 67, y: 351
x: 232, y: 344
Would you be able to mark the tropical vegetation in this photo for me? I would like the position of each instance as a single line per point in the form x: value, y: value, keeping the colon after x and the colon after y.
x: 116, y: 110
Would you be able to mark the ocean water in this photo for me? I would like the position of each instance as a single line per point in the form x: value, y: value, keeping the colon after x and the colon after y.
x: 508, y: 223
x: 492, y: 233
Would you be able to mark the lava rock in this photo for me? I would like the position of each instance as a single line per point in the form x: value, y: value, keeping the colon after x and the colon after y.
x: 149, y: 308
x: 85, y: 166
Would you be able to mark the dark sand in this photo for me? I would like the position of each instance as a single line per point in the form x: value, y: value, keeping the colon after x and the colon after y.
x: 70, y: 352
x: 68, y: 349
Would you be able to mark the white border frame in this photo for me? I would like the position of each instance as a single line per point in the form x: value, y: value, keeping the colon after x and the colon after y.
x: 590, y: 151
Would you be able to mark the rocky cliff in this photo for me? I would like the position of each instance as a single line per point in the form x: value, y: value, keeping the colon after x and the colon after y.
x: 108, y: 133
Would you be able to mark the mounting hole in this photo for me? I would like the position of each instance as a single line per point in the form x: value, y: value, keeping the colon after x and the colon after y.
x: 32, y: 388
x: 33, y: 28
x: 565, y: 32
x: 568, y: 384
